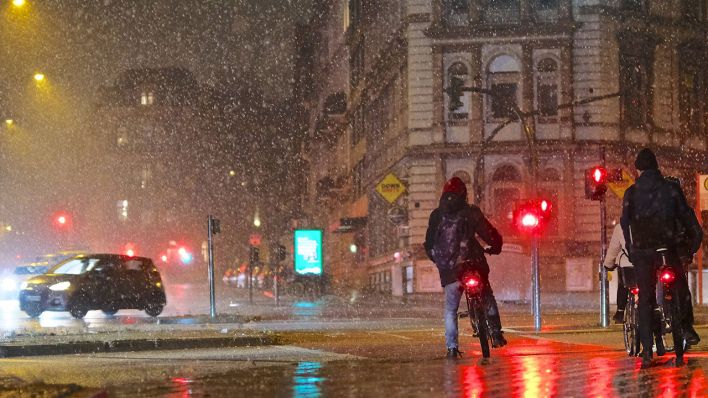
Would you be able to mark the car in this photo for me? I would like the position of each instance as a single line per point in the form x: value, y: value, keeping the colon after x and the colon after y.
x: 106, y: 282
x: 10, y: 281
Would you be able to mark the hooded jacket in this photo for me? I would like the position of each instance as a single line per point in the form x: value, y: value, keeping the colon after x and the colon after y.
x: 474, y: 223
x: 655, y: 214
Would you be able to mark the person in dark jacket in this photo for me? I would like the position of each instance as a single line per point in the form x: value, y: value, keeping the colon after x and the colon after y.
x: 451, y: 244
x: 655, y: 215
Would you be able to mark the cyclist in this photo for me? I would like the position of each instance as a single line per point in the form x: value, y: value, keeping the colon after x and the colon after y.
x: 451, y: 244
x: 655, y: 215
x: 617, y: 256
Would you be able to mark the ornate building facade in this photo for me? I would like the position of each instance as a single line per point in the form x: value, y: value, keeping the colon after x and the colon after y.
x: 377, y: 105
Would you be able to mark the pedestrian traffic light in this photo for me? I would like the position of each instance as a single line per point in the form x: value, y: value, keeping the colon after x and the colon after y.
x: 454, y: 92
x: 532, y: 216
x: 595, y: 183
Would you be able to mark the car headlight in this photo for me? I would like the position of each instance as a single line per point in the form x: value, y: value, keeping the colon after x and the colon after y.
x: 60, y: 286
x: 8, y: 284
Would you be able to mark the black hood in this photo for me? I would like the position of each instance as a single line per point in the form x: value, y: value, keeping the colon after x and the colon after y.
x: 649, y: 181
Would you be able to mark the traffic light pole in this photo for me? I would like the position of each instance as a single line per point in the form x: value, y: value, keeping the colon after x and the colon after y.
x: 212, y: 293
x: 535, y: 283
x: 604, y: 282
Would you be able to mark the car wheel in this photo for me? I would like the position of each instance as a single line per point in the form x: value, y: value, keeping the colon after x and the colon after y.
x: 34, y: 312
x: 154, y: 309
x: 110, y: 310
x: 78, y: 309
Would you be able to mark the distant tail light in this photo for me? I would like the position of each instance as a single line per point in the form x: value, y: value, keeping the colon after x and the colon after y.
x: 667, y: 276
x: 634, y: 290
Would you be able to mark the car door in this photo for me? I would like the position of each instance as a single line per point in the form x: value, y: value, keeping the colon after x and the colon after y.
x: 106, y: 283
x: 134, y: 281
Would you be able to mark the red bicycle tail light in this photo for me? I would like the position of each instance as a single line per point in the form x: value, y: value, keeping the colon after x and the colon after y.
x: 472, y: 282
x: 667, y: 276
x: 634, y: 290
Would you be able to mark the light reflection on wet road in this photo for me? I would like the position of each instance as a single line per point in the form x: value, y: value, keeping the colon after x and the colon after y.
x: 528, y: 367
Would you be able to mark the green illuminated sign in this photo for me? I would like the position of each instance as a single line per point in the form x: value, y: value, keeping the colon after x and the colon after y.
x: 308, y: 251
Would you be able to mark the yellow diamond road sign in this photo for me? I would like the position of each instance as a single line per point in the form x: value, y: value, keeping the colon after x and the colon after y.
x: 390, y: 188
x: 618, y: 187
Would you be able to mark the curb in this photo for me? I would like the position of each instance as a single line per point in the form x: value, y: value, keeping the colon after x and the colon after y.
x: 90, y: 347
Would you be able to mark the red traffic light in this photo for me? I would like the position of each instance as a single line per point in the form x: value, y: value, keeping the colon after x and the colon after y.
x: 532, y: 216
x: 61, y: 219
x: 595, y: 183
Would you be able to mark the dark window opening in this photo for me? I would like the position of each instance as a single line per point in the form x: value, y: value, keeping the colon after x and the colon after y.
x: 503, y: 100
x: 455, y: 12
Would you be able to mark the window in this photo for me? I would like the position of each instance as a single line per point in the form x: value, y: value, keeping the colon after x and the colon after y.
x: 691, y: 10
x: 147, y: 98
x: 503, y: 77
x: 547, y: 90
x: 458, y: 70
x: 692, y: 89
x: 634, y: 5
x: 635, y: 62
x: 546, y: 4
x: 358, y: 125
x: 455, y: 12
x: 354, y: 13
x: 122, y: 139
x: 506, y: 192
x: 502, y: 11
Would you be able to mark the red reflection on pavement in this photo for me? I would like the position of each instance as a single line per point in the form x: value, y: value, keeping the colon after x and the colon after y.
x: 472, y: 381
x: 698, y: 387
x: 601, y: 370
x: 535, y: 376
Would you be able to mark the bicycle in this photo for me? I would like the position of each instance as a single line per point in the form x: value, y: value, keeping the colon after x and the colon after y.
x: 670, y: 305
x: 476, y: 310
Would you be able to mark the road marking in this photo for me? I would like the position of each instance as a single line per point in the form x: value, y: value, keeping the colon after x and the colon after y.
x: 393, y: 334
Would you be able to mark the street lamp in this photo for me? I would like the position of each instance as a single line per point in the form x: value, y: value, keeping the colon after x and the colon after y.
x: 9, y: 122
x: 39, y: 77
x: 18, y: 3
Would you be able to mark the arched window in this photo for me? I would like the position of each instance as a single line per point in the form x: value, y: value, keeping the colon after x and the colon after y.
x: 503, y: 76
x: 547, y: 89
x: 455, y: 12
x: 460, y: 71
x: 506, y: 192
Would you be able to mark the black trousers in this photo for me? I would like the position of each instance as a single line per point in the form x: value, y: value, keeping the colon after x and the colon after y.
x: 646, y: 263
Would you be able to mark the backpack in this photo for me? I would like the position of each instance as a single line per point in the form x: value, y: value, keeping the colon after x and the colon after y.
x: 450, y: 240
x: 654, y: 225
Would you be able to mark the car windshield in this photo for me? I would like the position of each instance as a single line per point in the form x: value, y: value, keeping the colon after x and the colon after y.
x: 75, y: 266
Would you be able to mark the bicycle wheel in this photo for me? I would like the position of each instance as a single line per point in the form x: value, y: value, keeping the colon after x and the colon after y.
x: 631, y: 328
x: 482, y: 327
x: 667, y: 320
x: 677, y: 330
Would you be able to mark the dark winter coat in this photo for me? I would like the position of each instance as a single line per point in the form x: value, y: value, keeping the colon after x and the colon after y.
x: 655, y: 214
x: 471, y: 253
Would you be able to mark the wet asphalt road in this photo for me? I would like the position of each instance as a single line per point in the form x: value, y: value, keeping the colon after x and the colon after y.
x: 375, y: 363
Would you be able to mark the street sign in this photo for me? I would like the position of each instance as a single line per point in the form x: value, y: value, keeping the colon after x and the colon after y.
x: 619, y: 187
x: 703, y: 192
x: 307, y: 251
x: 254, y: 240
x: 396, y: 215
x: 390, y: 188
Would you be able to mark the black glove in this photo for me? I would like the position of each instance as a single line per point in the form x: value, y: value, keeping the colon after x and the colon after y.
x: 492, y: 250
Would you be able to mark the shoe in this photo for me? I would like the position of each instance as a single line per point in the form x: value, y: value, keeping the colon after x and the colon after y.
x: 619, y: 316
x: 660, y: 349
x: 498, y: 340
x: 690, y: 335
x: 453, y: 353
x: 646, y: 360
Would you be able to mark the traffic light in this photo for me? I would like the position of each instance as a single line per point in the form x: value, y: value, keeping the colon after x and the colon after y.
x: 279, y: 253
x: 62, y: 220
x: 532, y: 216
x: 595, y: 183
x: 253, y: 255
x: 454, y: 92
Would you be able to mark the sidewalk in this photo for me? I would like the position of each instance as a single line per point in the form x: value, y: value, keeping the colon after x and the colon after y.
x: 264, y: 323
